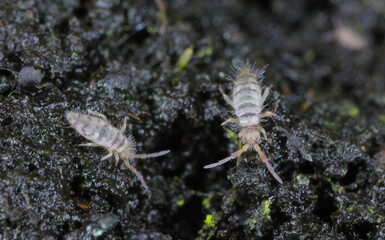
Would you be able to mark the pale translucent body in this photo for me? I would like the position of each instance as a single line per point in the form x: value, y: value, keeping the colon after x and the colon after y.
x: 247, y: 101
x: 100, y: 132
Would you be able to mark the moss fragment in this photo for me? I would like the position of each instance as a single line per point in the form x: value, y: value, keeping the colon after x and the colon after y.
x: 209, y: 221
x: 184, y: 59
x: 309, y: 55
x: 208, y: 51
x: 210, y: 224
x: 232, y: 135
x: 354, y: 112
x: 180, y: 203
x: 302, y: 179
x: 381, y: 118
x: 331, y: 125
x: 380, y: 219
x: 206, y: 203
x: 348, y: 109
x: 266, y: 209
x: 335, y: 186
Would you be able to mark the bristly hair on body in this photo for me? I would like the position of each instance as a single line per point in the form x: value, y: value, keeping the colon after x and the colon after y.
x: 247, y: 100
x: 238, y: 65
x: 95, y: 127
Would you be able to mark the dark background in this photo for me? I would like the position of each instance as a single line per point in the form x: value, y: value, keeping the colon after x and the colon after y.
x: 326, y: 66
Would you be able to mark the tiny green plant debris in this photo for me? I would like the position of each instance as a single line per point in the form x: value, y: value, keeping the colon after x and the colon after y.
x: 96, y: 128
x: 184, y: 59
x: 162, y: 14
x: 247, y: 101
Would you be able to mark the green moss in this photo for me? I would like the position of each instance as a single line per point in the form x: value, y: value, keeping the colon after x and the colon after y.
x: 266, y: 209
x: 335, y: 186
x: 371, y: 210
x: 44, y: 152
x: 309, y: 55
x: 354, y: 112
x: 234, y: 138
x: 329, y: 144
x: 350, y: 208
x: 331, y: 125
x: 184, y: 59
x: 205, y: 52
x: 209, y: 227
x: 348, y: 109
x: 109, y: 33
x: 180, y: 203
x: 258, y: 218
x: 151, y: 30
x: 90, y: 176
x: 251, y: 223
x: 380, y: 219
x: 127, y: 27
x: 206, y: 203
x: 154, y: 75
x: 230, y: 198
x: 209, y: 221
x: 83, y: 186
x: 232, y: 135
x: 302, y: 179
x: 381, y: 118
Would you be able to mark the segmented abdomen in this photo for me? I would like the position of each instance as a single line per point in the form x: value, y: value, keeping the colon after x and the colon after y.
x: 98, y: 131
x: 247, y: 98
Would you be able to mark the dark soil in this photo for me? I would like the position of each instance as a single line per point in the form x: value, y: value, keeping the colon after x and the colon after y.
x: 326, y: 141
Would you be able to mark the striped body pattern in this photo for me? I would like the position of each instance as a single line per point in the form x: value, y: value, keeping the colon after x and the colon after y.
x: 247, y: 98
x: 101, y: 132
x: 247, y: 101
x: 96, y: 128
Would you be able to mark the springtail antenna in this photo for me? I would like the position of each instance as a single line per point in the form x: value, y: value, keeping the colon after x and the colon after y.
x: 152, y: 155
